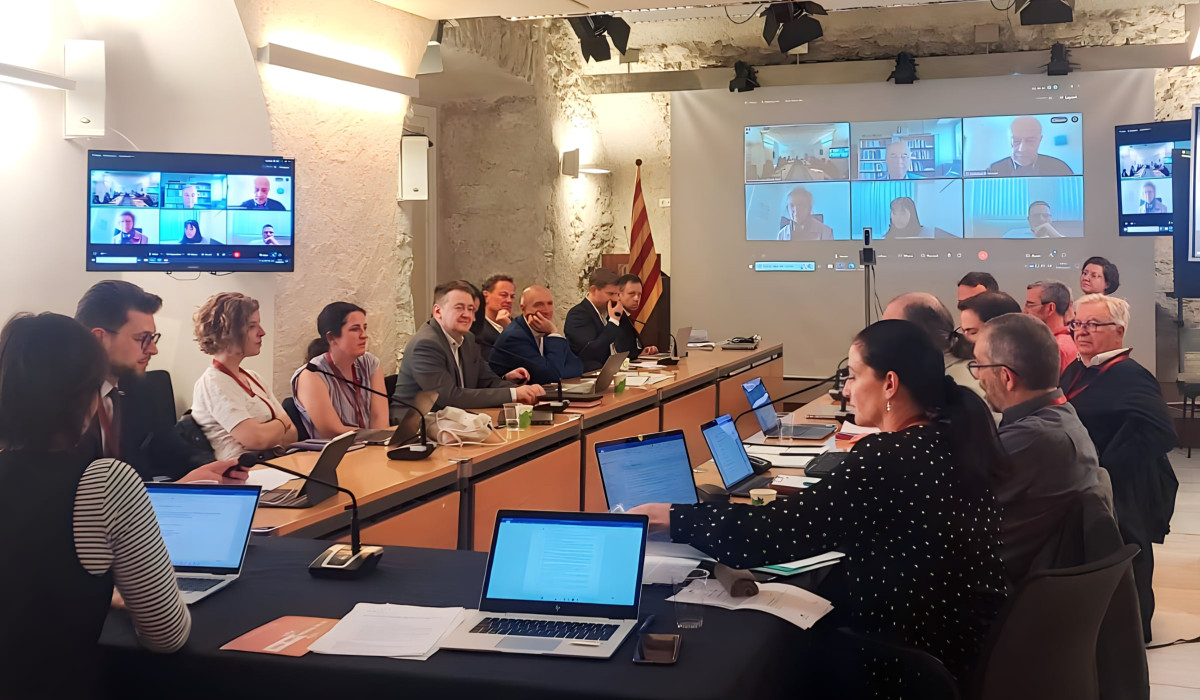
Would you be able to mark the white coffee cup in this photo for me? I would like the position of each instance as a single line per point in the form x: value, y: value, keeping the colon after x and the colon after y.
x: 761, y: 497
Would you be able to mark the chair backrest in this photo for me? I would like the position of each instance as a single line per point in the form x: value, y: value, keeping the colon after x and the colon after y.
x: 158, y: 382
x: 389, y: 384
x: 289, y: 407
x: 1043, y: 644
x: 922, y: 674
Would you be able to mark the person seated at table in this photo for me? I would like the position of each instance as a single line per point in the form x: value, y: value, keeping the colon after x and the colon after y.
x: 442, y: 356
x: 909, y: 506
x: 1122, y: 407
x: 593, y: 326
x: 630, y: 296
x: 981, y: 308
x: 233, y: 405
x: 495, y: 313
x: 328, y: 406
x: 1049, y: 301
x: 533, y: 342
x: 78, y: 527
x: 928, y: 313
x: 1051, y: 457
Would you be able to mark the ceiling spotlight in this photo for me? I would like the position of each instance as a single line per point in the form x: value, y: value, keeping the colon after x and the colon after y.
x: 592, y: 31
x: 1060, y: 61
x: 793, y: 23
x: 745, y: 78
x: 906, y: 69
x: 1046, y: 11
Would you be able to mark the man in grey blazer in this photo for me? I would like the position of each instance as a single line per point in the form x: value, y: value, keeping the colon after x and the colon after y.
x: 442, y: 356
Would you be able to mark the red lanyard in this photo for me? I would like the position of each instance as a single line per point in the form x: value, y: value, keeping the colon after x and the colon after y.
x: 1072, y: 392
x: 350, y: 392
x: 245, y: 388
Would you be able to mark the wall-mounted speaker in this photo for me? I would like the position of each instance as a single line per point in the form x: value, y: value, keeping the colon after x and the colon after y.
x: 414, y: 168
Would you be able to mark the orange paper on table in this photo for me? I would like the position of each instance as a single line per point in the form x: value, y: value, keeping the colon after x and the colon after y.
x: 287, y: 636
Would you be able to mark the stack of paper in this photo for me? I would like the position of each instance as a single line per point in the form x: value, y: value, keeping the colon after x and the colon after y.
x: 645, y: 379
x: 799, y: 567
x: 268, y: 478
x: 398, y: 631
x: 792, y: 481
x: 849, y: 430
x: 793, y: 604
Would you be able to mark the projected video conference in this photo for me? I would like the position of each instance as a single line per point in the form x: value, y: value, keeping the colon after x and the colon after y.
x: 1015, y: 177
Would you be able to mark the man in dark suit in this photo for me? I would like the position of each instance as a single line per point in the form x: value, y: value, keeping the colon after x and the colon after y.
x: 532, y: 341
x: 442, y: 356
x: 630, y: 296
x: 498, y: 294
x: 129, y: 424
x: 593, y: 325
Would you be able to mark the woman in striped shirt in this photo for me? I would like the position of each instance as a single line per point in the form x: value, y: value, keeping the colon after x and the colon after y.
x: 77, y: 528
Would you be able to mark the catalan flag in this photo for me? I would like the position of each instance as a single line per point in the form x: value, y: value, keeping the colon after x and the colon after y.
x: 643, y: 258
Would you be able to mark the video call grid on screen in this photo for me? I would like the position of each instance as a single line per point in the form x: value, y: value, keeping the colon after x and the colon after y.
x: 1011, y: 176
x: 1145, y: 201
x: 181, y: 211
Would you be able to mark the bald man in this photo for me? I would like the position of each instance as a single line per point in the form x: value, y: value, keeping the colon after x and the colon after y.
x: 932, y: 316
x: 261, y: 200
x: 532, y: 341
x: 1025, y: 159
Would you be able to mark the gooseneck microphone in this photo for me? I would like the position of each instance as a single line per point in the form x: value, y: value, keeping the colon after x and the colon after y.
x: 398, y: 452
x: 339, y: 561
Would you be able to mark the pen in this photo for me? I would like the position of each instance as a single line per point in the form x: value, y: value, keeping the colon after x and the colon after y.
x: 645, y: 625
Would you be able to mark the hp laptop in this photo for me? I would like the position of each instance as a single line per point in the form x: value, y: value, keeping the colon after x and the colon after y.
x: 207, y: 529
x: 650, y: 468
x: 764, y: 411
x: 682, y: 335
x: 730, y: 456
x: 310, y: 493
x: 592, y: 389
x: 407, y: 427
x: 564, y: 584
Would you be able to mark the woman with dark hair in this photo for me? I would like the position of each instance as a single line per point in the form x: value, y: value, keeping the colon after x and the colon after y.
x: 904, y: 222
x: 329, y: 407
x: 1099, y: 276
x: 191, y: 233
x: 910, y: 507
x: 95, y: 526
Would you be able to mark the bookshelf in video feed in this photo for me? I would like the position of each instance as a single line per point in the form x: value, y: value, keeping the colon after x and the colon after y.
x: 1145, y: 201
x: 1017, y: 176
x: 190, y: 211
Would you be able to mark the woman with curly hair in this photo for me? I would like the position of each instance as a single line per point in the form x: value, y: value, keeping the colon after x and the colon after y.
x: 232, y: 404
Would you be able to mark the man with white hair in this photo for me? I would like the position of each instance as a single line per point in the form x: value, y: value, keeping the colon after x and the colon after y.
x: 1122, y: 407
x: 1025, y: 159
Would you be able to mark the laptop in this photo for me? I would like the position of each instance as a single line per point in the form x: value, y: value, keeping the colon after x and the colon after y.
x: 764, y: 411
x: 729, y: 454
x: 206, y: 528
x: 592, y: 389
x: 407, y: 427
x: 683, y: 333
x: 650, y: 468
x: 560, y: 584
x: 310, y: 493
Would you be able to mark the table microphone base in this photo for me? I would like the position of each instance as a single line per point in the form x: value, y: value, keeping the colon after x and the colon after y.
x: 408, y: 453
x: 340, y: 562
x: 553, y: 406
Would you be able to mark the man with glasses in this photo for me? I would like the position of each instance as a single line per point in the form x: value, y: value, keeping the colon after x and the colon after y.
x: 1122, y: 407
x: 1025, y: 159
x: 1049, y: 301
x: 1051, y: 456
x: 130, y: 425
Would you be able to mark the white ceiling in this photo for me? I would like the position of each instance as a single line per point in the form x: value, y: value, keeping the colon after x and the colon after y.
x: 460, y: 9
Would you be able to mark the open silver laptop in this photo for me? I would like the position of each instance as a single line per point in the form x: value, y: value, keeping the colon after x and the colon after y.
x: 681, y: 336
x: 562, y: 584
x: 593, y: 388
x: 408, y: 424
x: 206, y: 528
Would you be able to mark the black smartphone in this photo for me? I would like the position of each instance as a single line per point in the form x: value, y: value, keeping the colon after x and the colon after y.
x: 657, y: 649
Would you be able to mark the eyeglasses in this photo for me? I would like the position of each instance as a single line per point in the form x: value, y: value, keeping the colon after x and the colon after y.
x: 143, y: 339
x: 1035, y: 304
x: 1091, y: 326
x: 973, y: 367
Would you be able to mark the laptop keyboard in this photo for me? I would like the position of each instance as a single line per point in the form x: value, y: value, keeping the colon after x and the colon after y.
x: 188, y: 585
x: 545, y: 628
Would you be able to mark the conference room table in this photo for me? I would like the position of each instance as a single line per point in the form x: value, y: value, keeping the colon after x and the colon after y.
x: 742, y: 654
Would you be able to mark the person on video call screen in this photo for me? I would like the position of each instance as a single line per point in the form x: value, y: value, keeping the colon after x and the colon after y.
x: 1025, y: 159
x: 800, y: 224
x: 126, y: 233
x: 899, y: 159
x: 1151, y: 203
x: 262, y: 187
x: 1041, y: 224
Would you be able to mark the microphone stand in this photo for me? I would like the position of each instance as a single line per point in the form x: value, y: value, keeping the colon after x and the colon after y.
x: 340, y: 561
x: 406, y: 453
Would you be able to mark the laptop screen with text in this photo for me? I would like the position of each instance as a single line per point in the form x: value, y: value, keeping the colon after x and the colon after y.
x: 649, y: 469
x: 727, y: 451
x: 204, y: 527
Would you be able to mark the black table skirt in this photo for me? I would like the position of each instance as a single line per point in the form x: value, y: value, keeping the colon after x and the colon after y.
x: 735, y: 655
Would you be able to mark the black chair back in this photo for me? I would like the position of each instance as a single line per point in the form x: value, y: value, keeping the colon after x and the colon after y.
x: 162, y: 392
x: 389, y: 384
x: 289, y: 407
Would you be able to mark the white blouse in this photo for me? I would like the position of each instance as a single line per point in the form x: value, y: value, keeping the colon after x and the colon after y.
x: 219, y: 405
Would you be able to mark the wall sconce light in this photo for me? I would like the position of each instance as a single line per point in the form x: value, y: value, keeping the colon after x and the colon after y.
x: 572, y: 168
x: 83, y: 85
x: 287, y: 57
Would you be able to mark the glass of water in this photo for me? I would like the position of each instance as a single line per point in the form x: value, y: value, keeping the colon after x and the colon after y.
x: 512, y: 416
x: 690, y: 616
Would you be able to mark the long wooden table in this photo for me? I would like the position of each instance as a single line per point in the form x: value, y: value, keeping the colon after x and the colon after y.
x: 449, y: 500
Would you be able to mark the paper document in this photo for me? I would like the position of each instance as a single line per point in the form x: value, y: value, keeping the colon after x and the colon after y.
x: 849, y: 428
x: 401, y: 631
x: 674, y: 550
x: 793, y: 604
x: 803, y: 565
x: 268, y: 478
x: 794, y: 481
x: 786, y: 460
x: 659, y: 569
x: 645, y: 379
x: 647, y: 364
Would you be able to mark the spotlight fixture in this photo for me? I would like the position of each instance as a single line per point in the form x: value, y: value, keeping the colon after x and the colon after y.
x: 1060, y: 61
x: 745, y: 78
x: 1046, y: 11
x: 793, y: 23
x: 906, y: 69
x: 591, y: 31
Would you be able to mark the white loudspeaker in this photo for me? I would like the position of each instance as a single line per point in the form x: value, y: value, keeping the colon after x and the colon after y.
x: 414, y: 168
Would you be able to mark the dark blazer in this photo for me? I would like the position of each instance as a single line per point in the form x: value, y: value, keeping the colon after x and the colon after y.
x: 429, y: 364
x: 588, y: 336
x: 517, y: 347
x: 628, y: 339
x: 485, y: 337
